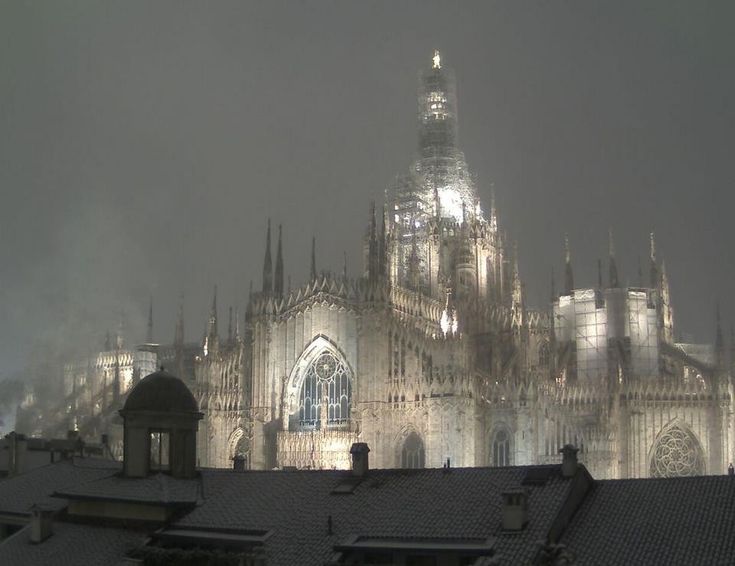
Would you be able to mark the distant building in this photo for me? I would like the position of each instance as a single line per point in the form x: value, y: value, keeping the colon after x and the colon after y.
x: 432, y: 354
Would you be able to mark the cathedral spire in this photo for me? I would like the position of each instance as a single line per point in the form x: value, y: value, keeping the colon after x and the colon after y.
x: 654, y: 263
x: 599, y: 273
x: 568, y: 273
x: 493, y: 210
x: 237, y: 324
x: 553, y: 285
x: 313, y: 258
x: 278, y: 282
x: 437, y: 111
x: 517, y: 287
x: 229, y: 327
x: 179, y: 329
x: 372, y: 259
x: 613, y: 266
x: 212, y: 324
x: 667, y: 312
x: 344, y: 266
x: 719, y: 341
x: 149, y: 332
x: 267, y: 263
x: 120, y: 332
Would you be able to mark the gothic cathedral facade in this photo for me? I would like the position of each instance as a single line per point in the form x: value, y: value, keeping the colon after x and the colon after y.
x: 432, y: 355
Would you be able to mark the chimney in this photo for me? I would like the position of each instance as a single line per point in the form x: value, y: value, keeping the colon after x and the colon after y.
x: 359, y: 451
x: 17, y: 447
x: 41, y: 524
x: 514, y: 510
x: 568, y: 460
x: 238, y: 463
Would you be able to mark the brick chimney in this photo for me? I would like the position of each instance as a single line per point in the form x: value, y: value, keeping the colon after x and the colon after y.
x: 41, y: 524
x: 514, y: 510
x: 568, y: 460
x: 360, y: 466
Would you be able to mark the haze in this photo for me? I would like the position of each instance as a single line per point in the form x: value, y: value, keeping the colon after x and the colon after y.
x: 144, y: 144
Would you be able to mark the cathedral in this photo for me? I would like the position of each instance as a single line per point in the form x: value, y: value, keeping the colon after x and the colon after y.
x: 431, y: 356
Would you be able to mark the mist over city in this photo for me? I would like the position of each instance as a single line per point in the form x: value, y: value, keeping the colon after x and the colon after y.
x: 367, y: 282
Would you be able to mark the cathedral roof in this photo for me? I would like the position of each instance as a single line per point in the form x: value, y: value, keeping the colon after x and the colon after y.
x: 161, y: 392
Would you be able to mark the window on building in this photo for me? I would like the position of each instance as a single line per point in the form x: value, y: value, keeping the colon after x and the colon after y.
x: 160, y: 450
x: 543, y: 355
x: 501, y: 448
x: 676, y: 453
x: 326, y: 394
x: 413, y: 455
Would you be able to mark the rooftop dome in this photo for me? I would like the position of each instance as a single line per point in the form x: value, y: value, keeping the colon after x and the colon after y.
x: 161, y: 392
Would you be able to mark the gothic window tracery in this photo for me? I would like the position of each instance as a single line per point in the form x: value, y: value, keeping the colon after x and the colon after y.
x: 544, y: 355
x: 326, y: 393
x: 676, y: 453
x: 413, y: 455
x: 501, y: 448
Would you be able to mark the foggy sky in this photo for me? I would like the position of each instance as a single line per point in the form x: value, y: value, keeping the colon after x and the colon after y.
x: 144, y: 144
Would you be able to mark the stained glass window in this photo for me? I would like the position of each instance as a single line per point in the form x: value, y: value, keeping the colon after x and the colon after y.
x: 326, y: 392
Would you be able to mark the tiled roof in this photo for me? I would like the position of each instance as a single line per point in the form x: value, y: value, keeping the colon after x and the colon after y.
x: 158, y: 488
x: 461, y: 503
x: 674, y: 521
x: 71, y: 545
x: 17, y: 494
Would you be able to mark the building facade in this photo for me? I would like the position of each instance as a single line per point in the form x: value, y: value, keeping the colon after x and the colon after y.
x: 432, y: 355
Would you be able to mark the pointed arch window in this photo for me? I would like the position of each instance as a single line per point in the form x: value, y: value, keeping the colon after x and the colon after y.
x: 326, y: 393
x: 413, y: 455
x: 544, y: 355
x: 501, y: 448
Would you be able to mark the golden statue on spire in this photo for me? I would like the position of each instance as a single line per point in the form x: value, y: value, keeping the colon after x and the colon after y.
x: 437, y: 60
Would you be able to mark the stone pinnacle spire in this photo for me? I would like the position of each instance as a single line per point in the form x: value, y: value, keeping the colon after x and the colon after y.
x: 267, y: 263
x: 654, y: 263
x: 212, y: 323
x: 313, y: 258
x: 719, y: 341
x: 179, y: 331
x: 613, y: 266
x: 229, y: 326
x: 568, y: 273
x: 278, y: 282
x: 149, y: 333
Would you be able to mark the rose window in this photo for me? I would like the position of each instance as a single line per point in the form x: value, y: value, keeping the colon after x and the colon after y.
x: 676, y: 453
